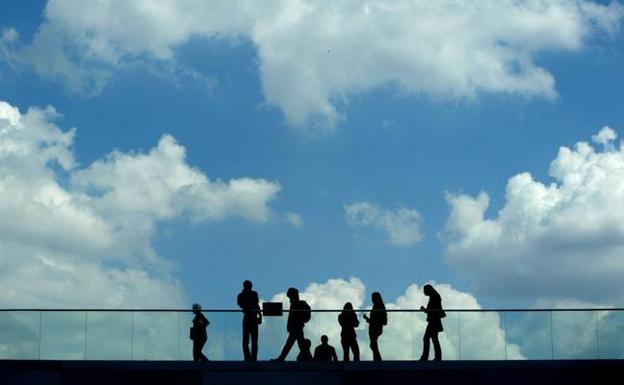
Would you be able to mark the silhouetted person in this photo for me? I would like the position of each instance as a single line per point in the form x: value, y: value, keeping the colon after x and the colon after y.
x: 378, y: 319
x: 248, y: 301
x: 325, y: 352
x: 348, y: 321
x: 434, y: 323
x: 305, y: 354
x: 298, y: 315
x: 198, y: 333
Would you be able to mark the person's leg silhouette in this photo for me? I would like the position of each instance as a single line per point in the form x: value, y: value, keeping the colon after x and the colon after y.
x: 290, y: 341
x: 436, y: 347
x: 356, y: 350
x: 246, y: 352
x: 345, y: 349
x: 254, y: 343
x: 374, y: 335
x: 198, y: 345
x: 430, y: 334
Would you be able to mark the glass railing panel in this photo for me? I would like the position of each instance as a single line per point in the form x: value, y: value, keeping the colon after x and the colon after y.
x: 232, y: 331
x: 155, y: 335
x: 272, y: 336
x: 163, y: 335
x: 449, y: 338
x: 63, y: 335
x: 216, y: 347
x: 398, y: 339
x: 185, y: 345
x: 19, y: 335
x: 109, y: 335
x: 528, y: 335
x: 574, y: 334
x: 482, y: 336
x: 610, y: 336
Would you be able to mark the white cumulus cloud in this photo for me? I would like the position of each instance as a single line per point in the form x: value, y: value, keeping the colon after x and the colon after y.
x: 554, y: 242
x: 72, y: 236
x: 482, y: 335
x: 401, y: 225
x: 605, y: 137
x: 313, y: 55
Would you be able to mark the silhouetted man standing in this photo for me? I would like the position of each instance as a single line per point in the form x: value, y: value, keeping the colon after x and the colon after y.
x: 252, y: 317
x: 325, y: 352
x: 298, y: 315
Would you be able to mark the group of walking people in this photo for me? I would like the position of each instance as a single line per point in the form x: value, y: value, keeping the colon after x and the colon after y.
x: 300, y: 313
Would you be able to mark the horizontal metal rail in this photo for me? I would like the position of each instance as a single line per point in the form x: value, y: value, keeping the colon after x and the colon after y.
x: 313, y: 310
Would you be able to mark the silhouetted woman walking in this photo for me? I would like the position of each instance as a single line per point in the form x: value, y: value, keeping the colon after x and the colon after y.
x: 378, y: 319
x: 434, y: 323
x: 349, y: 321
x: 198, y: 333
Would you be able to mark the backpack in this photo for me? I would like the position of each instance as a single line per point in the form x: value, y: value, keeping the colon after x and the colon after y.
x: 305, y: 311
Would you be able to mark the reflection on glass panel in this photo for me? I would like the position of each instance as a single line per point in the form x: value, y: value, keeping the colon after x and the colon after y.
x: 610, y: 338
x: 482, y: 336
x: 528, y: 335
x: 155, y: 336
x: 19, y: 335
x: 63, y: 335
x: 109, y: 336
x: 574, y: 335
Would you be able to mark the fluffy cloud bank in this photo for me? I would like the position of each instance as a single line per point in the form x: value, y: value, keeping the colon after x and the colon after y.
x: 313, y: 55
x: 72, y: 236
x: 561, y: 242
x: 482, y: 334
x: 401, y: 225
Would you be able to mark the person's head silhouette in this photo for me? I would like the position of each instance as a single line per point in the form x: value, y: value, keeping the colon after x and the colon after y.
x: 292, y: 294
x: 324, y: 339
x: 196, y: 308
x: 247, y: 285
x: 376, y: 298
x: 307, y: 344
x: 429, y: 291
x: 347, y: 306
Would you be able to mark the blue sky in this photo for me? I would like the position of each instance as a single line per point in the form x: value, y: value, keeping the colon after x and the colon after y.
x: 395, y: 141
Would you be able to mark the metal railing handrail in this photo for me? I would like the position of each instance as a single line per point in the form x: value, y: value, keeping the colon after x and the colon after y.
x: 162, y: 310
